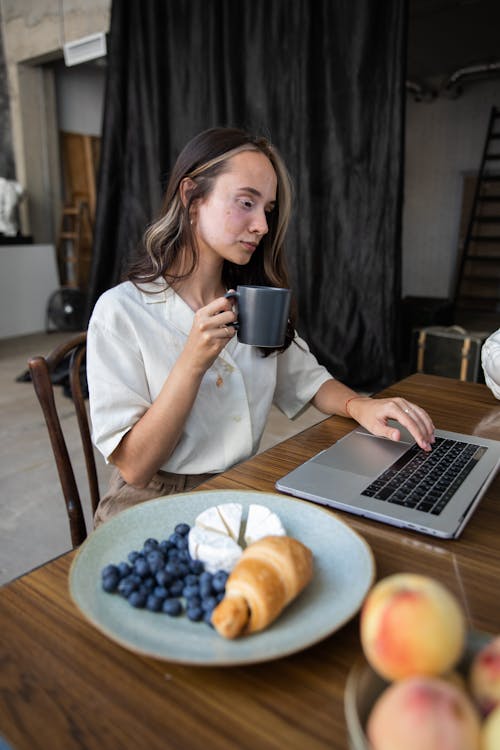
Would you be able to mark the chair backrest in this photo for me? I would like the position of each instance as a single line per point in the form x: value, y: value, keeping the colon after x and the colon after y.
x: 41, y: 369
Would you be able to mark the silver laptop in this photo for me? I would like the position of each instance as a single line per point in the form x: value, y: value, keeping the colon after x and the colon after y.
x: 398, y: 483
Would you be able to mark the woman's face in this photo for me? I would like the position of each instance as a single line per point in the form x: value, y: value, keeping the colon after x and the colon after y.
x: 231, y: 221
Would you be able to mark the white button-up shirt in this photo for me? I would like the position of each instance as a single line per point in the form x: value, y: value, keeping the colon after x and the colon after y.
x: 134, y: 339
x: 490, y: 356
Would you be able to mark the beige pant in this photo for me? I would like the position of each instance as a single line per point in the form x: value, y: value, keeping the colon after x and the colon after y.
x: 121, y: 495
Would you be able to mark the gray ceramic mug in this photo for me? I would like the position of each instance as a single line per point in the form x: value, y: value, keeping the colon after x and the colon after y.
x: 262, y: 314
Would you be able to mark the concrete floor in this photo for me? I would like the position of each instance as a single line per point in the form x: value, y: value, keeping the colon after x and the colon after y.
x: 33, y: 521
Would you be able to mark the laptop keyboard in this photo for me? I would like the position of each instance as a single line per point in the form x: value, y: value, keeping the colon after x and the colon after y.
x: 426, y: 481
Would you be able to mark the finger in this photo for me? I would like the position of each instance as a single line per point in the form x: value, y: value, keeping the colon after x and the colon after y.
x: 416, y: 426
x: 422, y: 418
x: 213, y: 322
x: 225, y: 332
x: 394, y: 434
x: 410, y: 417
x: 414, y: 417
x: 226, y: 318
x: 419, y: 416
x: 218, y: 305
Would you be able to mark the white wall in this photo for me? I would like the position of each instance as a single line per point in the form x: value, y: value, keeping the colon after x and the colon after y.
x: 444, y: 141
x: 28, y: 276
x: 80, y: 98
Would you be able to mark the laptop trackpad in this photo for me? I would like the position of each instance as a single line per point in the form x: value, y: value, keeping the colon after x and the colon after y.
x: 362, y: 453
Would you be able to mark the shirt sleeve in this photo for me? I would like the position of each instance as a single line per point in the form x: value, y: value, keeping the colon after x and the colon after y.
x: 490, y: 357
x: 118, y: 389
x: 299, y: 376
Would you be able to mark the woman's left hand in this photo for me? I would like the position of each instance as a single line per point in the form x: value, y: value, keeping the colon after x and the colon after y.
x: 374, y: 413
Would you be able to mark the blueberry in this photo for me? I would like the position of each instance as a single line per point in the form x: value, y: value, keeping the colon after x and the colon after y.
x: 176, y: 587
x: 155, y: 554
x: 150, y: 544
x: 205, y: 588
x: 172, y: 568
x: 161, y: 592
x: 124, y: 569
x: 219, y: 580
x: 128, y: 584
x: 161, y: 572
x: 174, y: 538
x: 137, y: 599
x: 196, y: 566
x: 155, y: 560
x: 192, y: 590
x: 208, y: 603
x: 141, y: 567
x: 110, y: 582
x: 163, y: 578
x: 183, y: 569
x: 109, y: 570
x: 207, y: 617
x: 194, y: 613
x: 172, y: 607
x: 153, y: 603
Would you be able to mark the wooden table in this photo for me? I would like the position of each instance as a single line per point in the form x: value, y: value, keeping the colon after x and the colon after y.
x: 64, y: 685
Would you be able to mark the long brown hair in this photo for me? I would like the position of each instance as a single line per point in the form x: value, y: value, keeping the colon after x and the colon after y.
x: 202, y: 160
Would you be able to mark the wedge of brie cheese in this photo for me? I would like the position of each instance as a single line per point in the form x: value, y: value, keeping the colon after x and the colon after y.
x: 211, y: 520
x: 231, y: 516
x: 225, y: 519
x: 262, y: 522
x: 214, y: 537
x: 217, y: 551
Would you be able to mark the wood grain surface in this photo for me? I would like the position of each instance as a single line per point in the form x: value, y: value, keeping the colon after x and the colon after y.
x: 65, y: 685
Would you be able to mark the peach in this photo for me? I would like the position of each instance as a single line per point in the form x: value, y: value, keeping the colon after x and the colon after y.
x: 423, y: 713
x: 490, y: 731
x: 484, y: 677
x: 411, y: 625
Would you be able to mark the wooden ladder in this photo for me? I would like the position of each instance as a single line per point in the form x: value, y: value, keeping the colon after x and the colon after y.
x: 477, y: 289
x: 75, y: 237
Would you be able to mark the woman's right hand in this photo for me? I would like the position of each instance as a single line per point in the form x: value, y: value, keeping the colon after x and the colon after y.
x: 210, y: 332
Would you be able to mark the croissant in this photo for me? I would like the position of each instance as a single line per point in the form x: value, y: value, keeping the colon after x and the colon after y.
x: 269, y: 574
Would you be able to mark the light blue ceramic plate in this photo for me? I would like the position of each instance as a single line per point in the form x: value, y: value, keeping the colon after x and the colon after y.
x: 344, y: 570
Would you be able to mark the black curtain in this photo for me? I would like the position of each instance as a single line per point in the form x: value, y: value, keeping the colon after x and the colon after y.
x: 7, y: 168
x: 324, y: 80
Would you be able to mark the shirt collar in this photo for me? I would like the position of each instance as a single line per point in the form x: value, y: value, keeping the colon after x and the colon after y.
x: 155, y: 291
x: 177, y: 312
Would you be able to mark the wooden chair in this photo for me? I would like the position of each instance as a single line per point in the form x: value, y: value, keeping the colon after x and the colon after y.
x: 41, y: 369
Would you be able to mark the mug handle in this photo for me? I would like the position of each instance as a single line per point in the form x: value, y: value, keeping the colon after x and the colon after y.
x: 229, y: 295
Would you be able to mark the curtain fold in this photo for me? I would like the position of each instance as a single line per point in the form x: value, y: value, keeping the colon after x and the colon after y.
x: 325, y: 82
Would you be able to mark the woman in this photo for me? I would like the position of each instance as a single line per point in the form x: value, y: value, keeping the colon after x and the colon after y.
x: 174, y: 397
